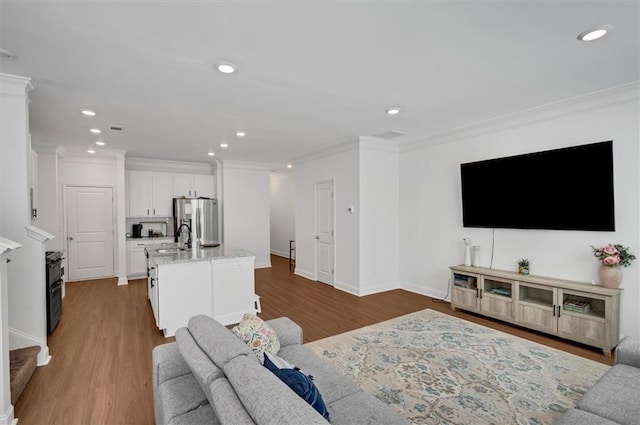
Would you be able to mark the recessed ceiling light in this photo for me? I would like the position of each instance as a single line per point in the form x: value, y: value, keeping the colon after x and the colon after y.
x: 6, y: 54
x: 95, y: 131
x: 393, y: 111
x: 100, y: 143
x: 211, y: 153
x: 594, y: 33
x: 88, y: 112
x: 289, y: 165
x: 241, y: 134
x: 91, y: 151
x: 224, y: 145
x: 226, y: 67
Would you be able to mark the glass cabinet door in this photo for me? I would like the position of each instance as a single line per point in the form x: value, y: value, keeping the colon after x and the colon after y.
x: 536, y: 307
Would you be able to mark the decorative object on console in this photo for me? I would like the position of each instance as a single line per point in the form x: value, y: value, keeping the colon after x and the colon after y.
x: 467, y: 251
x: 475, y: 256
x: 611, y: 258
x: 523, y: 266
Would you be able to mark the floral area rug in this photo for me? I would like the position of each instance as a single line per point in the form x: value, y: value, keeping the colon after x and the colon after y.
x: 437, y: 369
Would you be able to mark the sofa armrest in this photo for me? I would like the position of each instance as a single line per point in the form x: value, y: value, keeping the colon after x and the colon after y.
x: 628, y: 351
x: 288, y: 331
x: 168, y: 363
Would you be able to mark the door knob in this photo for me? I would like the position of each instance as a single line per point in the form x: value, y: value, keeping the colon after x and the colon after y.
x: 70, y: 238
x: 318, y: 237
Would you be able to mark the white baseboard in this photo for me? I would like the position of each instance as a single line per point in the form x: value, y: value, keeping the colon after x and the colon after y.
x: 346, y: 287
x: 7, y: 417
x: 389, y: 286
x: 304, y: 273
x: 262, y: 265
x: 280, y: 253
x: 429, y: 292
x: 19, y: 339
x: 123, y: 281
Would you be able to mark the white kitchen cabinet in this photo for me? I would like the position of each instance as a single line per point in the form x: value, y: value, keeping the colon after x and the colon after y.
x: 149, y: 194
x: 136, y: 260
x: 162, y: 194
x: 233, y: 288
x: 193, y: 185
x: 203, y: 186
x: 181, y: 291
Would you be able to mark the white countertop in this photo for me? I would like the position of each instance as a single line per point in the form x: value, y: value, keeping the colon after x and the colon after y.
x: 195, y: 253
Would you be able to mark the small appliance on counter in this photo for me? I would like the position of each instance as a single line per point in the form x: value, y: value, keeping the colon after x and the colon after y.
x: 136, y: 231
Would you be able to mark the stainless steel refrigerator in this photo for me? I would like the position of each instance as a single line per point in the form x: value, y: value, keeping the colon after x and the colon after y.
x: 201, y: 215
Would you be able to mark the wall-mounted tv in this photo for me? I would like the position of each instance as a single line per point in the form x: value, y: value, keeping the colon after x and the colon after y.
x: 560, y: 189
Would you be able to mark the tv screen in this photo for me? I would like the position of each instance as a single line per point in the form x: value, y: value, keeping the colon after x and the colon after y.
x: 560, y: 189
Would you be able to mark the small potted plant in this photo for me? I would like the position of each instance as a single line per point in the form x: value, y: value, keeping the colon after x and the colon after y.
x: 523, y: 265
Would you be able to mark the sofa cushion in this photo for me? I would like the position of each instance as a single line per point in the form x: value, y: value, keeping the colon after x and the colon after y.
x: 330, y: 382
x: 258, y: 335
x: 216, y: 341
x: 288, y: 331
x: 363, y: 409
x: 266, y: 398
x: 227, y: 406
x: 580, y: 417
x: 616, y: 396
x: 198, y: 416
x: 201, y: 366
x: 300, y: 383
x: 178, y: 396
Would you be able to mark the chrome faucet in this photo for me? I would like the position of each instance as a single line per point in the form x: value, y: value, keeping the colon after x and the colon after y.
x: 179, y: 234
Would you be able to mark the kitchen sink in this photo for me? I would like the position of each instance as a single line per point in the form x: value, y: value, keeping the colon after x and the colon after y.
x: 170, y: 250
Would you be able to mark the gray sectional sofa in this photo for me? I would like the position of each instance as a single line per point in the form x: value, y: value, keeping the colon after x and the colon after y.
x: 209, y: 376
x: 615, y: 398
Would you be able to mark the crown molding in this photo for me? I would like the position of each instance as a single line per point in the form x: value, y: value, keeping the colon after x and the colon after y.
x: 226, y: 164
x: 376, y: 144
x: 40, y: 148
x: 15, y: 85
x: 38, y: 234
x: 85, y: 160
x: 330, y: 151
x: 7, y: 245
x: 162, y: 165
x: 629, y: 92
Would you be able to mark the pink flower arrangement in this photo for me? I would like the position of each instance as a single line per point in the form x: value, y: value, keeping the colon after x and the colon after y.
x: 613, y: 255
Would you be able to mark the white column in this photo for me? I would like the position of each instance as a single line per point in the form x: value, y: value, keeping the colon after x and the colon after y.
x: 121, y: 240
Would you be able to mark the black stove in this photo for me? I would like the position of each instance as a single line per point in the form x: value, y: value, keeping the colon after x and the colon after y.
x: 55, y: 271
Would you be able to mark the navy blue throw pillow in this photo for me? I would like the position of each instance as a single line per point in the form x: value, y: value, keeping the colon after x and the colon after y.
x: 301, y: 384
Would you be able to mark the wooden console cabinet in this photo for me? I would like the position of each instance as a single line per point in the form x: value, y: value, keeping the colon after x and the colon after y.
x: 576, y: 311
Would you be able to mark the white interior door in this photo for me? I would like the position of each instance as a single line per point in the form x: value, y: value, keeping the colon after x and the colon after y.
x: 89, y: 232
x: 324, y: 232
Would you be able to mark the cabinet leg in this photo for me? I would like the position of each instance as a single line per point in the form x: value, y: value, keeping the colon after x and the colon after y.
x: 606, y: 352
x: 453, y: 307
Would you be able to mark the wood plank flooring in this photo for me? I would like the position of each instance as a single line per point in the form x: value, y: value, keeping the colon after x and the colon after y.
x: 100, y: 371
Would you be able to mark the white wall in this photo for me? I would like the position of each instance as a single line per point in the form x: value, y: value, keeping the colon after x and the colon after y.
x: 431, y: 229
x: 49, y: 197
x: 245, y: 208
x: 282, y: 205
x: 26, y: 276
x: 379, y: 216
x: 341, y: 166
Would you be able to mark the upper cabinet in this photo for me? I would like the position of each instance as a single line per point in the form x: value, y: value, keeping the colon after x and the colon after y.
x: 149, y: 194
x: 193, y: 186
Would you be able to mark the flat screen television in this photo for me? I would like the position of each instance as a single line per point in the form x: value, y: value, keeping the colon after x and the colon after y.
x: 561, y: 189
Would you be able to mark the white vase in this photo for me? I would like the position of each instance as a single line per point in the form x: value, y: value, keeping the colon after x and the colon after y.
x: 610, y: 276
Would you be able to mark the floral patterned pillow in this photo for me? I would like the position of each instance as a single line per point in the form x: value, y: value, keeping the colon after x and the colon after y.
x: 258, y: 335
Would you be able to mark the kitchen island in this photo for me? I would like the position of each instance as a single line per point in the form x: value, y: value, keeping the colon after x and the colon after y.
x: 184, y: 282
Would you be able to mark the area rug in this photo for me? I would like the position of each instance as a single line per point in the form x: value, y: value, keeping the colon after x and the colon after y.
x: 437, y: 369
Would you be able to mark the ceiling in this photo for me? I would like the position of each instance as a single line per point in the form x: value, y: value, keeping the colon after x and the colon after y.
x: 310, y: 74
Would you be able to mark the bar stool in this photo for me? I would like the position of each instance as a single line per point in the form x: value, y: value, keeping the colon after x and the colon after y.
x: 292, y: 255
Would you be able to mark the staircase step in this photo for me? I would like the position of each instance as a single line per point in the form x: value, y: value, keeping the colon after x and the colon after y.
x: 23, y: 363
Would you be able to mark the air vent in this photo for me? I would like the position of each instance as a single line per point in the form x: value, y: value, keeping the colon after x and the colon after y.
x: 389, y: 135
x: 115, y: 127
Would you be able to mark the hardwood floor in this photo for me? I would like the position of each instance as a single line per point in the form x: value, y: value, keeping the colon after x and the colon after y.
x: 100, y: 371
